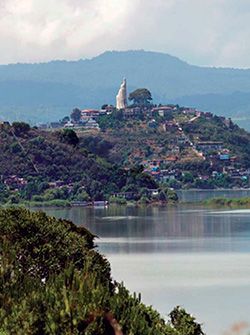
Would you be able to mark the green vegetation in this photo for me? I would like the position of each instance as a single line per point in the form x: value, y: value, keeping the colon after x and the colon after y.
x: 76, y: 114
x: 68, y: 136
x: 214, y: 128
x: 171, y: 141
x: 140, y: 97
x: 48, y: 203
x: 228, y: 202
x: 113, y: 121
x: 59, y: 167
x: 53, y: 282
x: 117, y: 200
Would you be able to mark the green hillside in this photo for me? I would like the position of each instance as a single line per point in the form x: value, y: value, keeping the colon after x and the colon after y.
x: 39, y: 165
x: 186, y: 148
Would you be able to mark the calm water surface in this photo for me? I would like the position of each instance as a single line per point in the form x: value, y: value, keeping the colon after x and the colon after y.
x: 191, y: 256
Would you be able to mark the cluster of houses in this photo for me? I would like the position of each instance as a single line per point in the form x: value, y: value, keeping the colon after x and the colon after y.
x: 220, y: 159
x: 88, y: 119
x: 161, y: 168
x: 15, y: 183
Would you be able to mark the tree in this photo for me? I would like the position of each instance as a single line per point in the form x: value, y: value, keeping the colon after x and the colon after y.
x: 184, y: 323
x: 187, y: 177
x: 75, y: 115
x: 68, y: 136
x: 162, y: 196
x: 44, y: 245
x: 53, y: 281
x: 140, y: 97
x: 20, y: 128
x: 171, y: 195
x: 65, y: 119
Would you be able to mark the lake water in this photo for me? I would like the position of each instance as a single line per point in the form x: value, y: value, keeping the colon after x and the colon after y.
x: 186, y: 255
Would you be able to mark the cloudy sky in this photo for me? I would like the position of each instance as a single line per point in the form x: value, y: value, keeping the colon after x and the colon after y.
x: 202, y: 32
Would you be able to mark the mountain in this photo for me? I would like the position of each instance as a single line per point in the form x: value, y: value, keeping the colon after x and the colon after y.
x: 48, y: 91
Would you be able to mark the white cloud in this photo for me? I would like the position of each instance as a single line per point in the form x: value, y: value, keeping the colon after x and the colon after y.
x: 205, y: 32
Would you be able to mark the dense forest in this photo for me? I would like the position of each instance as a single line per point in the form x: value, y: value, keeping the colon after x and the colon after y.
x: 53, y: 281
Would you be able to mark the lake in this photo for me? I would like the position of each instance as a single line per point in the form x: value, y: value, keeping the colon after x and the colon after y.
x: 184, y: 255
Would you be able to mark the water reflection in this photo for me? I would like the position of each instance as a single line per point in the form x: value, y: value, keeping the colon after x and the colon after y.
x: 160, y: 229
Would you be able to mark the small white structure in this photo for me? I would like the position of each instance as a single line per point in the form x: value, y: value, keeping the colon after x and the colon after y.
x: 69, y: 125
x: 91, y: 124
x: 121, y: 98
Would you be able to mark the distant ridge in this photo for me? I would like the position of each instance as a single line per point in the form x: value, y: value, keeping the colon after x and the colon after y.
x: 48, y: 91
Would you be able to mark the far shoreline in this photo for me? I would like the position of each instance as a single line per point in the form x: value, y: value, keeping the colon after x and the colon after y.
x: 220, y: 200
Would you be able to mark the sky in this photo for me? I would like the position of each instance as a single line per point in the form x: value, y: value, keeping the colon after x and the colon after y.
x: 201, y: 32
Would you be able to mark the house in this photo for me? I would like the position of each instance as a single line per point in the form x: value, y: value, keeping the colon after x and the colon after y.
x: 189, y: 110
x: 209, y: 146
x: 170, y: 126
x: 91, y: 124
x: 167, y: 175
x: 126, y: 195
x: 224, y: 157
x: 87, y: 114
x: 152, y: 124
x: 171, y: 159
x: 131, y: 112
x: 42, y: 125
x: 69, y: 125
x: 103, y: 112
x: 56, y: 184
x: 55, y: 125
x: 162, y: 110
x: 108, y: 109
x: 152, y: 192
x: 15, y: 182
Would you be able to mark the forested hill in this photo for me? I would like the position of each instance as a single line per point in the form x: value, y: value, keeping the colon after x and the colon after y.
x: 48, y: 91
x: 56, y: 165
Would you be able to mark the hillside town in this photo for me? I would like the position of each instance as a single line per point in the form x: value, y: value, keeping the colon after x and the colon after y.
x: 184, y: 146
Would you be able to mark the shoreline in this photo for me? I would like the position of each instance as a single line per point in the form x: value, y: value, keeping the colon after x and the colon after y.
x: 216, y: 199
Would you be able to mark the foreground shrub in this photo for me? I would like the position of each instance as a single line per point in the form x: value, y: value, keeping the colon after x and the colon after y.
x: 53, y: 282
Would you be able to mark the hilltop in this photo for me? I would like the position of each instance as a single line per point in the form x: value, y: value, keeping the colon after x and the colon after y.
x: 180, y: 147
x: 47, y: 91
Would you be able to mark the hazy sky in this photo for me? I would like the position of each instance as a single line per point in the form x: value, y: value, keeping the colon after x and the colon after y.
x: 202, y: 32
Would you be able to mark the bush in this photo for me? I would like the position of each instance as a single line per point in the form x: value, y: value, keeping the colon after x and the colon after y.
x: 68, y: 136
x: 117, y: 200
x: 20, y: 128
x: 144, y: 200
